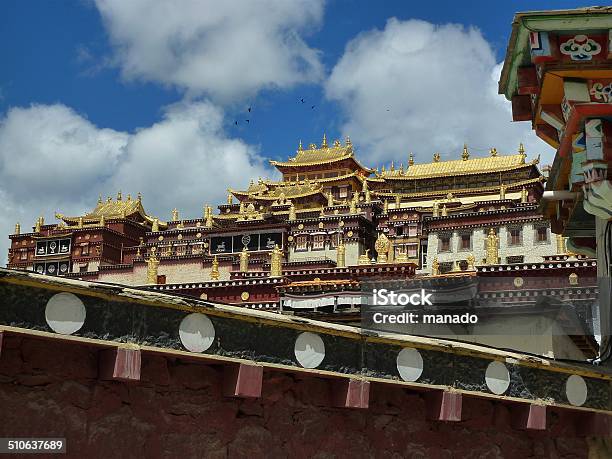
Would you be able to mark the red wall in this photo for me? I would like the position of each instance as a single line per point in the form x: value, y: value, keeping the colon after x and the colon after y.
x: 48, y: 388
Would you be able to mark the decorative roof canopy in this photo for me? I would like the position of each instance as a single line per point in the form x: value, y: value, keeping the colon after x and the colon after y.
x: 325, y: 154
x: 464, y: 166
x: 110, y: 209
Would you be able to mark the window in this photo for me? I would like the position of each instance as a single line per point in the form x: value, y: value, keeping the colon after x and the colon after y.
x: 412, y: 250
x: 515, y: 259
x: 412, y: 230
x: 301, y: 243
x: 466, y: 242
x: 542, y: 234
x: 515, y: 236
x: 318, y: 242
x: 399, y: 231
x: 83, y: 267
x: 333, y: 240
x: 444, y: 245
x: 24, y: 255
x: 85, y: 249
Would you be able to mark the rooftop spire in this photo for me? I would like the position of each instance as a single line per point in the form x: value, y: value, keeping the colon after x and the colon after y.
x: 324, y: 142
x: 466, y: 154
x: 410, y: 159
x: 521, y: 149
x: 300, y: 148
x: 119, y: 197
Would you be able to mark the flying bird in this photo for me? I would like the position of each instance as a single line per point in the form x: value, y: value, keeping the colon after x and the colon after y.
x: 302, y: 100
x: 312, y: 107
x: 236, y: 123
x: 249, y: 109
x: 248, y: 121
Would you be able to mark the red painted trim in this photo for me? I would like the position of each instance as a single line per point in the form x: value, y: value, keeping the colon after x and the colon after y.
x: 351, y: 393
x: 529, y: 417
x: 119, y: 364
x: 444, y: 406
x: 242, y: 380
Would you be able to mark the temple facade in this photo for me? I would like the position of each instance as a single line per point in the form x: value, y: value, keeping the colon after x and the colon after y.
x: 309, y: 242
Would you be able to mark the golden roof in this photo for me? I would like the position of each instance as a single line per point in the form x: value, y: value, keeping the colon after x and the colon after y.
x: 110, y: 208
x: 325, y: 154
x: 459, y: 167
x: 281, y: 190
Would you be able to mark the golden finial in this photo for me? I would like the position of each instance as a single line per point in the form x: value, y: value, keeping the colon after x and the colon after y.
x: 312, y: 146
x: 466, y: 154
x: 383, y: 169
x: 348, y: 141
x: 276, y: 262
x: 502, y: 191
x: 80, y: 224
x: 561, y: 248
x: 392, y: 166
x: 401, y: 168
x: 175, y: 215
x: 524, y: 195
x: 382, y: 246
x: 214, y: 273
x: 17, y: 228
x: 155, y: 226
x: 456, y: 267
x: 337, y: 143
x: 521, y: 151
x: 341, y: 254
x: 100, y: 199
x: 436, y: 157
x: 324, y: 142
x: 139, y: 197
x: 292, y: 213
x: 129, y: 197
x: 109, y: 199
x: 411, y: 160
x: 244, y: 260
x: 119, y: 197
x: 444, y: 211
x: 152, y: 266
x: 300, y: 148
x: 138, y: 253
x: 230, y: 198
x: 493, y: 152
x: 209, y: 217
x: 435, y: 267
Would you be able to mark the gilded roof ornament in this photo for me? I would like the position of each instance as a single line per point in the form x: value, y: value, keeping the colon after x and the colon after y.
x: 337, y: 143
x: 312, y: 146
x: 444, y: 211
x: 324, y: 142
x: 139, y: 197
x: 521, y: 151
x: 341, y: 254
x: 466, y: 154
x: 300, y: 148
x: 214, y: 273
x: 410, y: 159
x: 382, y: 246
x: 435, y: 267
x: 152, y: 266
x: 230, y: 198
x: 493, y: 152
x: 17, y: 228
x: 119, y: 196
x: 524, y: 195
x: 175, y: 215
x: 348, y: 142
x: 100, y: 199
x: 436, y: 157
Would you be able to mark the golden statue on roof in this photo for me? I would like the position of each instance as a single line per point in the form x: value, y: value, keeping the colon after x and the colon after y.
x: 466, y: 154
x: 152, y: 266
x: 382, y: 246
x: 436, y: 157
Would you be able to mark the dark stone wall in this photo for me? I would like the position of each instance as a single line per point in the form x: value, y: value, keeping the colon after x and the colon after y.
x: 51, y: 388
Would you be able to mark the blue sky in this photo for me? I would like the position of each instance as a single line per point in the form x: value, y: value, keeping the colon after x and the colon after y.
x: 143, y: 96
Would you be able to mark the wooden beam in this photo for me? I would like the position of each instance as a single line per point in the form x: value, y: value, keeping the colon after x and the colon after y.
x: 528, y: 80
x: 521, y: 108
x: 351, y: 393
x: 242, y: 380
x: 122, y: 364
x: 528, y: 416
x: 443, y: 405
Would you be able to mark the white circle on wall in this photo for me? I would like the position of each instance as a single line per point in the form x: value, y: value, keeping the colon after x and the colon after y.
x: 409, y: 364
x: 576, y: 390
x: 497, y: 377
x: 196, y: 332
x: 309, y: 350
x: 65, y: 313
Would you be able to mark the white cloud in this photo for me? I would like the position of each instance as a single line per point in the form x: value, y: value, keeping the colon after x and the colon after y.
x: 53, y: 159
x: 226, y: 49
x: 439, y: 85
